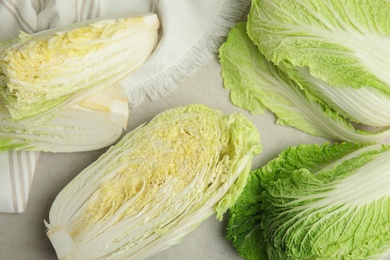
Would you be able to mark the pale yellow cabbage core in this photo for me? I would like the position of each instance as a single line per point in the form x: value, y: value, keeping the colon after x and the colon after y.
x: 169, y: 160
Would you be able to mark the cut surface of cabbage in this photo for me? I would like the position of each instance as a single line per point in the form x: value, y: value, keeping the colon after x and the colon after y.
x: 155, y: 185
x: 43, y: 70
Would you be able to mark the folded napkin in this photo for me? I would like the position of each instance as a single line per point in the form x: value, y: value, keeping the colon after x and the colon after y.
x: 190, y: 35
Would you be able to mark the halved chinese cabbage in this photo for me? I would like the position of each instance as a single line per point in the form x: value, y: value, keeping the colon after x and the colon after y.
x: 43, y: 70
x: 155, y: 185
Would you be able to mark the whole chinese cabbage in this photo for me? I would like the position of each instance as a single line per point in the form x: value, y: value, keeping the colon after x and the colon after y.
x: 316, y: 202
x: 155, y: 185
x: 323, y: 64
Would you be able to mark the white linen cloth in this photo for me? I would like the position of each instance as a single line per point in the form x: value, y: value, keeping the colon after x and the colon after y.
x: 190, y: 35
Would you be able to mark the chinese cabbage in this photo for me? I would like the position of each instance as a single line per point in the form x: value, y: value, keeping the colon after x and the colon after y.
x: 316, y: 202
x: 256, y: 84
x: 332, y: 54
x: 94, y: 122
x: 44, y: 70
x: 155, y: 185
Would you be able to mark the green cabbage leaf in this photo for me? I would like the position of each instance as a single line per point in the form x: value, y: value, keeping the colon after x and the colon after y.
x: 343, y: 43
x: 326, y: 64
x: 316, y: 202
x: 257, y: 84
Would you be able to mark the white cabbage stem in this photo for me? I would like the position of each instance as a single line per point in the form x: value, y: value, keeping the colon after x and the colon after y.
x: 62, y: 242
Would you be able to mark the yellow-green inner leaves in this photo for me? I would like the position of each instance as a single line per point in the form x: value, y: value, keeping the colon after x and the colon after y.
x: 157, y: 184
x: 40, y: 71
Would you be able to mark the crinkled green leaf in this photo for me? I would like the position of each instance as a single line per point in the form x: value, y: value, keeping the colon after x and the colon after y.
x: 343, y: 43
x: 256, y: 83
x: 316, y: 202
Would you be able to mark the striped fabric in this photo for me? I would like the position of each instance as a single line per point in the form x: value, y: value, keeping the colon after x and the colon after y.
x: 37, y: 15
x: 16, y: 175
